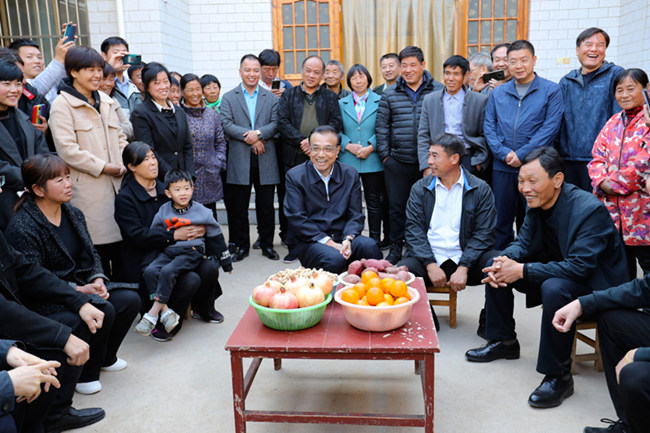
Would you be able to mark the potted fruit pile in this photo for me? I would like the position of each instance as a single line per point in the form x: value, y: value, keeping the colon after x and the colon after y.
x: 379, y: 268
x: 293, y: 299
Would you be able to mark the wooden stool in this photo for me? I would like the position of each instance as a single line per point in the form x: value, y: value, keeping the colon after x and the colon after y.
x: 450, y: 302
x: 591, y: 342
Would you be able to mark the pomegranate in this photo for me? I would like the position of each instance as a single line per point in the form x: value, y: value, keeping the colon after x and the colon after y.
x: 284, y: 300
x: 309, y: 295
x: 262, y: 294
x: 294, y: 284
x: 323, y: 282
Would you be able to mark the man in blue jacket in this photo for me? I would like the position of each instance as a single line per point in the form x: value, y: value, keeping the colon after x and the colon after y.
x: 323, y: 207
x: 625, y: 348
x: 520, y: 115
x: 566, y: 248
x: 589, y: 102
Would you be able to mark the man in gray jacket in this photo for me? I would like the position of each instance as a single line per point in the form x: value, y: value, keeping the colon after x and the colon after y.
x: 248, y: 118
x: 450, y: 220
x: 457, y: 111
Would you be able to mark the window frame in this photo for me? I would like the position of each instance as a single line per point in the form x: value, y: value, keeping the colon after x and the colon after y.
x: 335, y: 35
x: 462, y: 20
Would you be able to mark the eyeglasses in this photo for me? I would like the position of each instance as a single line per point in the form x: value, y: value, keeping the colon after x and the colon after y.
x: 327, y: 149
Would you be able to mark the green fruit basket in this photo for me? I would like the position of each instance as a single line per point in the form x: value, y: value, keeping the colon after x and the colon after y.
x: 291, y: 320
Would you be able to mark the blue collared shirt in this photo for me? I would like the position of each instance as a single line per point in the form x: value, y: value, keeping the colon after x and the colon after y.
x: 123, y: 86
x: 414, y: 93
x: 453, y: 108
x: 326, y: 181
x: 251, y: 102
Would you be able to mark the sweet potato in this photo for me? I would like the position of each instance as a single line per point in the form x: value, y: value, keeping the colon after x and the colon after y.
x: 352, y: 279
x: 385, y: 263
x: 403, y: 268
x: 402, y: 275
x: 374, y: 263
x: 383, y: 275
x: 391, y: 270
x: 370, y: 269
x: 355, y: 267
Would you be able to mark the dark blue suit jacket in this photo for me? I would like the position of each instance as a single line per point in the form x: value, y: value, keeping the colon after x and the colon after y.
x: 313, y: 213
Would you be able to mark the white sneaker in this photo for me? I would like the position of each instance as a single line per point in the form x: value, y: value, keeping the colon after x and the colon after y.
x: 88, y: 388
x: 118, y: 365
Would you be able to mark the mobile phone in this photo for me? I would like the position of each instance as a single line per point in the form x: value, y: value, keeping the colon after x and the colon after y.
x: 496, y: 75
x: 70, y: 32
x: 275, y: 84
x: 36, y: 112
x: 645, y: 97
x: 132, y: 59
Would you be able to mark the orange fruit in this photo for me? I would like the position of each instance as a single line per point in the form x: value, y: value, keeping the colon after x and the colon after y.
x: 387, y: 284
x: 402, y: 300
x: 350, y: 295
x: 362, y: 302
x: 383, y: 304
x: 367, y: 276
x: 360, y: 288
x: 375, y: 295
x: 399, y: 289
x: 389, y: 299
x: 375, y: 282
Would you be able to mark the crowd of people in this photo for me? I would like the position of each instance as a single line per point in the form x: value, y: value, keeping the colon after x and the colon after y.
x: 112, y: 171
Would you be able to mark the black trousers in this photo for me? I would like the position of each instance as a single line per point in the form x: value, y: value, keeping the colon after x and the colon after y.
x: 640, y: 253
x: 554, y: 354
x: 576, y: 173
x: 241, y: 194
x: 161, y: 274
x: 620, y: 331
x: 281, y: 190
x: 111, y: 257
x: 374, y: 192
x: 399, y: 178
x: 510, y: 206
x: 316, y: 255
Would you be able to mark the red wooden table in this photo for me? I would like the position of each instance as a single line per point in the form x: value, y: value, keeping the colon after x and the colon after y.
x: 334, y: 338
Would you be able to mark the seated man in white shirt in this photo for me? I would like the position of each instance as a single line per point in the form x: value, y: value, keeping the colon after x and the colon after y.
x: 450, y: 220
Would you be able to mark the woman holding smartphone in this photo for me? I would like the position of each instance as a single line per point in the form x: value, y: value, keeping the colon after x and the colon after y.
x: 618, y: 169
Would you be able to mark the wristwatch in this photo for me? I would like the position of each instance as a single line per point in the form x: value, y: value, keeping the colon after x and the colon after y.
x: 349, y: 238
x: 259, y: 134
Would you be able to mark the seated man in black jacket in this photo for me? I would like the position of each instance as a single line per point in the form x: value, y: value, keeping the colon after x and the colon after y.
x: 624, y: 333
x: 60, y: 333
x: 566, y: 248
x: 323, y: 207
x: 450, y: 220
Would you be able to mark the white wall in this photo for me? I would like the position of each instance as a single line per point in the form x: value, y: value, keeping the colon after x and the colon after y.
x: 223, y: 31
x: 555, y: 24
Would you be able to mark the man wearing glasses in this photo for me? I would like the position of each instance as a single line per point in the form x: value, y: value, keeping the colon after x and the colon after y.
x: 521, y: 115
x: 323, y: 207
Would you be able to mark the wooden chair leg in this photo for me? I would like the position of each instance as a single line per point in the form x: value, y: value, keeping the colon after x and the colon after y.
x: 452, y: 308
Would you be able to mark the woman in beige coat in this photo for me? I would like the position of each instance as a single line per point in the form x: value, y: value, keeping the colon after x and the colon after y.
x: 88, y: 137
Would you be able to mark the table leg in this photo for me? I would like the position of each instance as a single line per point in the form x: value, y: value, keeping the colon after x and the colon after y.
x: 277, y: 363
x: 238, y: 393
x: 427, y: 385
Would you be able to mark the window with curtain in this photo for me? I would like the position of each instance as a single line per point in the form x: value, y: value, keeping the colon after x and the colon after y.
x: 486, y: 23
x: 42, y: 20
x: 373, y: 28
x: 304, y: 28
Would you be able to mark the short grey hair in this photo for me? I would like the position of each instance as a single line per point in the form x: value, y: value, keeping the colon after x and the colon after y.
x: 482, y: 59
x: 337, y: 63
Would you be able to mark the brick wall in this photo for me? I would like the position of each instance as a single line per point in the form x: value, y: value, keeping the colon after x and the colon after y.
x: 554, y: 25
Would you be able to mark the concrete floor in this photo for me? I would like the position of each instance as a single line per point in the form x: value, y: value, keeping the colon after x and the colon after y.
x: 185, y: 384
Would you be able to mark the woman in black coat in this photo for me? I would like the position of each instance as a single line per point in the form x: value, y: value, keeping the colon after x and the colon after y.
x: 52, y: 233
x: 135, y: 206
x: 161, y: 124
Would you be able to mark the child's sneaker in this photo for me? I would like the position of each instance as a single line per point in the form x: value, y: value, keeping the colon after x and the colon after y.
x: 169, y: 319
x: 146, y: 324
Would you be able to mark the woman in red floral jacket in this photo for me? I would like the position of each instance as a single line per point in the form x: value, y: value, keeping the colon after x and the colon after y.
x: 618, y: 169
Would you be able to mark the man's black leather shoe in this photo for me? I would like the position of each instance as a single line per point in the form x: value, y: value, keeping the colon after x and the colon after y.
x: 270, y: 253
x: 614, y: 427
x: 552, y: 391
x: 492, y: 351
x: 256, y: 244
x: 239, y: 255
x: 76, y: 418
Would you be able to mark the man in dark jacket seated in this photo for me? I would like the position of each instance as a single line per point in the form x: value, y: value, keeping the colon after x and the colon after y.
x: 566, y: 248
x: 323, y: 207
x: 450, y: 220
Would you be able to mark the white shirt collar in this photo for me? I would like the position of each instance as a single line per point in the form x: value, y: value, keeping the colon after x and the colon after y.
x: 161, y: 108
